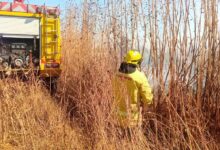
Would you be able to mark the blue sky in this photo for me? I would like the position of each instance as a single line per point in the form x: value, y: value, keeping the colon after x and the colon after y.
x: 47, y: 2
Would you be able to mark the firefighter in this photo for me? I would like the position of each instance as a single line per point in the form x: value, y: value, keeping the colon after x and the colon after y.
x: 132, y: 91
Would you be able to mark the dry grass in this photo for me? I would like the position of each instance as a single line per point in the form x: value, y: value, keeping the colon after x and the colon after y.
x: 182, y: 62
x: 30, y: 119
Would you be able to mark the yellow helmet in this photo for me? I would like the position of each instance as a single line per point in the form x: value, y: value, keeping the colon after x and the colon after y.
x: 133, y: 57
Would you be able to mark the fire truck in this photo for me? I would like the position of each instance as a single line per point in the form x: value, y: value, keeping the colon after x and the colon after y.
x: 30, y: 37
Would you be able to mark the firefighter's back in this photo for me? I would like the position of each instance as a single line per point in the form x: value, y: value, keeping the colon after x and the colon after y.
x: 127, y: 88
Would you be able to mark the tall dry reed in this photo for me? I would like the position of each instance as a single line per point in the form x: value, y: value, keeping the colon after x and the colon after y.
x: 180, y: 44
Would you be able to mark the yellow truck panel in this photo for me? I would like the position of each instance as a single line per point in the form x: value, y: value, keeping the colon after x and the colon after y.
x: 50, y: 43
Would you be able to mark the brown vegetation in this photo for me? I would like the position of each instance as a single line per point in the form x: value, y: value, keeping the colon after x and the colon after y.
x: 181, y: 44
x: 30, y: 119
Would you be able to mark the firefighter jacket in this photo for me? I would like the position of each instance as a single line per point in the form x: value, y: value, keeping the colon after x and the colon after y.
x: 131, y: 89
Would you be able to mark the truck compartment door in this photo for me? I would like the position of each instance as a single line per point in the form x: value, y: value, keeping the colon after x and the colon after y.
x: 19, y: 27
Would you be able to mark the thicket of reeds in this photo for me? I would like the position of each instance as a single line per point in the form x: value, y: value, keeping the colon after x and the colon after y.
x: 179, y: 40
x: 180, y: 44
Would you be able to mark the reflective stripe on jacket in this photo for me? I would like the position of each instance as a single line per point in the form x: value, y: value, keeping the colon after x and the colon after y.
x: 130, y: 91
